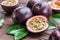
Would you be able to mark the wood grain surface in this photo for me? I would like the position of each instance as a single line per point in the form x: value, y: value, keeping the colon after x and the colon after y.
x: 8, y: 21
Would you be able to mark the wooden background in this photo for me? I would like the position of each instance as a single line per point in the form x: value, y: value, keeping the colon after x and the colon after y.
x: 8, y: 22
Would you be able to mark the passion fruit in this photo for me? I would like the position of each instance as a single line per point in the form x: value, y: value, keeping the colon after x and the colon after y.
x: 42, y: 8
x: 9, y: 5
x: 21, y: 14
x: 55, y: 5
x: 32, y: 2
x: 37, y: 24
x: 55, y: 35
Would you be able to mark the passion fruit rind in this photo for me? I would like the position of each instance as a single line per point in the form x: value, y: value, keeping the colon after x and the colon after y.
x: 9, y: 9
x: 42, y: 8
x: 34, y: 28
x: 21, y: 14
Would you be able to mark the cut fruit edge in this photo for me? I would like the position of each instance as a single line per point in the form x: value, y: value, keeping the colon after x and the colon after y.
x: 29, y: 29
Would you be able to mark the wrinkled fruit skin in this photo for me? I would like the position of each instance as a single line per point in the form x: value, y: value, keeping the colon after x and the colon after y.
x: 32, y: 31
x: 55, y: 35
x: 42, y: 8
x: 9, y: 9
x: 21, y: 14
x: 32, y: 2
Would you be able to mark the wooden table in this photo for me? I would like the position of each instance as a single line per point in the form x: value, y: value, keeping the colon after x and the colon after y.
x: 8, y: 21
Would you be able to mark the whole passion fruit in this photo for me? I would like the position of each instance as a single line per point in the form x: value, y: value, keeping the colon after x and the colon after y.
x: 37, y: 24
x: 42, y: 8
x: 32, y: 2
x: 55, y: 35
x: 9, y: 5
x: 21, y: 14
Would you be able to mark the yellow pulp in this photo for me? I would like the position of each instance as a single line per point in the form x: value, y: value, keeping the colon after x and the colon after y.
x: 37, y: 24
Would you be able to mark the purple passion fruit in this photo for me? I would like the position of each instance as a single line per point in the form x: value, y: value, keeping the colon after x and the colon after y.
x: 55, y: 5
x: 42, y: 8
x: 55, y: 35
x: 21, y: 14
x: 32, y: 2
x: 37, y: 24
x: 9, y: 5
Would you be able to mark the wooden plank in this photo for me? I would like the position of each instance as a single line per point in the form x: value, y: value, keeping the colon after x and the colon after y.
x: 8, y: 22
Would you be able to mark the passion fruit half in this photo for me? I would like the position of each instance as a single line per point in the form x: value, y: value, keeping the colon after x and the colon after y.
x: 55, y: 5
x: 21, y: 14
x: 9, y: 5
x: 37, y: 24
x: 42, y: 8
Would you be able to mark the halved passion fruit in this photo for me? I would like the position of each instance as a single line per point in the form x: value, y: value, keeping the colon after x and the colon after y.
x: 9, y: 5
x: 37, y: 24
x: 55, y: 5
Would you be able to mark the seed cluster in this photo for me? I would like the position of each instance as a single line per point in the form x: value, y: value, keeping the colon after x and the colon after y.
x: 37, y: 24
x: 9, y: 2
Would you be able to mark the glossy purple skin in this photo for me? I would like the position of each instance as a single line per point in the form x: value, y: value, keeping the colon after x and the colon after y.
x: 55, y: 35
x: 32, y: 2
x: 21, y: 14
x: 9, y: 9
x: 42, y: 8
x: 55, y: 11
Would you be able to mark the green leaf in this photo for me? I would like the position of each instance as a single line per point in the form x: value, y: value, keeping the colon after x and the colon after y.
x: 19, y: 31
x: 1, y: 21
x: 56, y: 18
x: 13, y: 27
x: 20, y: 34
x: 52, y: 25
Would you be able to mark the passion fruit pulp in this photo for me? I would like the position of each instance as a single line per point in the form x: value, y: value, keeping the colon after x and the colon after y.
x: 55, y: 35
x: 42, y: 8
x: 21, y: 14
x: 37, y: 24
x: 9, y: 5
